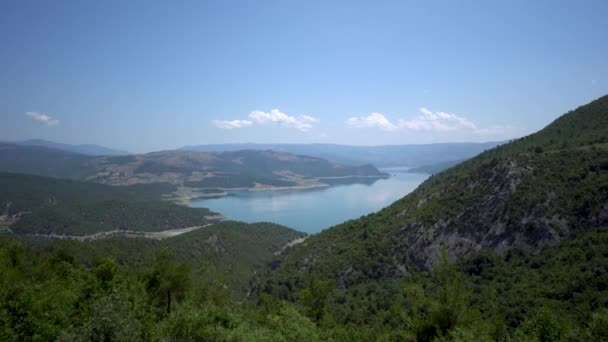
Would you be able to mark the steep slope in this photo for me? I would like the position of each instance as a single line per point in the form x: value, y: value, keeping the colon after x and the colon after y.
x: 524, y: 195
x: 41, y: 205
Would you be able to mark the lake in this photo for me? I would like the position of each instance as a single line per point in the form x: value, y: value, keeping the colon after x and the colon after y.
x: 313, y: 210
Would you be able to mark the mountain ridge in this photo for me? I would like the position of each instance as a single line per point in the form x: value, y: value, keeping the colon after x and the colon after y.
x: 86, y: 149
x: 200, y: 171
x: 531, y: 193
x: 410, y: 155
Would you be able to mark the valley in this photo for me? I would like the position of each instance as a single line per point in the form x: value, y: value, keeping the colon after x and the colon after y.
x: 303, y: 171
x: 489, y: 249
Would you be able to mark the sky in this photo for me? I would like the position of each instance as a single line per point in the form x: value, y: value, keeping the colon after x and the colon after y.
x: 153, y: 75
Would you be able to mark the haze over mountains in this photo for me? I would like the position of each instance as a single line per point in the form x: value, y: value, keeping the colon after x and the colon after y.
x: 380, y: 156
x: 242, y: 169
x: 88, y: 149
x: 411, y: 155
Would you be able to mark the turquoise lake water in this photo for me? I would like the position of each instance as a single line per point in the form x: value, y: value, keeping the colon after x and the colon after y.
x: 313, y: 210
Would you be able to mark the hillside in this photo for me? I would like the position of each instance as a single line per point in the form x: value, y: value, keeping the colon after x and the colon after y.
x: 531, y: 193
x: 199, y: 172
x: 232, y: 251
x: 41, y: 205
x: 413, y: 155
x: 435, y: 168
x: 240, y: 169
x: 43, y: 161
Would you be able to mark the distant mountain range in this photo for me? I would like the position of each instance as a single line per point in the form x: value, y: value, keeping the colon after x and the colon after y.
x: 413, y: 155
x: 86, y: 149
x: 198, y: 170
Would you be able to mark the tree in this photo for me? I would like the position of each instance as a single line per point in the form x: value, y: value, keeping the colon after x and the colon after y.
x: 452, y: 295
x: 168, y: 281
x: 315, y: 297
x: 105, y: 271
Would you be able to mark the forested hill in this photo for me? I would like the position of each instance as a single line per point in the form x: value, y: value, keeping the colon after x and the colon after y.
x: 232, y: 251
x: 41, y: 205
x: 536, y: 191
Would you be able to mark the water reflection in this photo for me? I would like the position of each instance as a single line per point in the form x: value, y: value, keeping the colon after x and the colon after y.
x: 312, y: 210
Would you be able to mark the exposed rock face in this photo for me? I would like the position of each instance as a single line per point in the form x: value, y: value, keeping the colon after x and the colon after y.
x: 502, y: 213
x: 482, y: 225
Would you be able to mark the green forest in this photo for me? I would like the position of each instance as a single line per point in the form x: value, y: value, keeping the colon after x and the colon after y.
x: 560, y: 294
x: 42, y: 205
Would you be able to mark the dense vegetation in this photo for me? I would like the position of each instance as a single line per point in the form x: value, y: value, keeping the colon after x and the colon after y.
x: 40, y: 205
x: 233, y: 251
x: 522, y: 196
x: 558, y: 295
x: 510, y: 197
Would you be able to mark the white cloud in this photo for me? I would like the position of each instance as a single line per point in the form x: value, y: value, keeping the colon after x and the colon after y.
x: 436, y: 121
x: 230, y: 124
x: 372, y: 120
x: 427, y: 120
x: 302, y: 123
x: 44, y: 118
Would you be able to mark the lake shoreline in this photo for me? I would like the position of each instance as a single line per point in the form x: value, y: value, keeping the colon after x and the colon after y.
x: 314, y: 210
x: 185, y: 195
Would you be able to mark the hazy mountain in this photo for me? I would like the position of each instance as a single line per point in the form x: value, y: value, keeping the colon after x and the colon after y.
x: 380, y: 156
x: 43, y: 161
x: 87, y: 149
x: 239, y: 169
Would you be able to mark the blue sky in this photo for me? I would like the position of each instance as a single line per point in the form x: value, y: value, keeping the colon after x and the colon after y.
x: 144, y: 75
